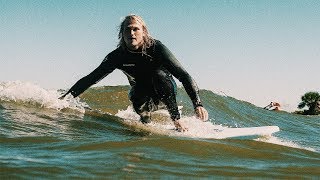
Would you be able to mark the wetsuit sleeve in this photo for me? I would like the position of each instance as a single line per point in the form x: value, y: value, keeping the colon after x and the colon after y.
x: 176, y: 69
x: 105, y: 68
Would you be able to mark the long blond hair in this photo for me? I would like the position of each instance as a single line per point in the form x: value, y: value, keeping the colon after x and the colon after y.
x: 148, y: 40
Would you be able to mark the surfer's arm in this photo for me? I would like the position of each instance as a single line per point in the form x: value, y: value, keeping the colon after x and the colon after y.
x: 105, y: 68
x: 176, y: 69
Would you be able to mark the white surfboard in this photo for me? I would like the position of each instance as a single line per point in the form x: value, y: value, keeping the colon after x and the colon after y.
x: 196, y: 128
x: 247, y: 131
x: 203, y: 130
x: 208, y: 130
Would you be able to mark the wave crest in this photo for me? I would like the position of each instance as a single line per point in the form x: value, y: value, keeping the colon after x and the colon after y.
x: 27, y: 93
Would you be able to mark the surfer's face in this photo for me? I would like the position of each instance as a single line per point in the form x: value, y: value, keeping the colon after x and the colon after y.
x: 133, y: 35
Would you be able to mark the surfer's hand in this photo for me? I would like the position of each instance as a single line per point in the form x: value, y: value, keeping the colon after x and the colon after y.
x: 180, y: 126
x: 201, y: 113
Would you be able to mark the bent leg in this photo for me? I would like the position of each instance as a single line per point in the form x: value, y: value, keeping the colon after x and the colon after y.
x: 166, y: 90
x: 142, y: 103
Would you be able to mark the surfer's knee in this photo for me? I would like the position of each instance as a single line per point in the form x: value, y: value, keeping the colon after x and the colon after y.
x: 142, y: 111
x: 159, y: 74
x: 145, y: 117
x: 175, y: 116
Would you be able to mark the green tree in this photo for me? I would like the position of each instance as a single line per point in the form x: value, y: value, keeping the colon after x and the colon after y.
x: 310, y: 99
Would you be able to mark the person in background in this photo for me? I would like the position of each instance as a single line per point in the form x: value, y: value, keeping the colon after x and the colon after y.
x: 149, y: 66
x: 274, y: 106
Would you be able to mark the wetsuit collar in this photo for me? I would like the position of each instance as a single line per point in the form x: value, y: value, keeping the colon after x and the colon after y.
x: 138, y: 51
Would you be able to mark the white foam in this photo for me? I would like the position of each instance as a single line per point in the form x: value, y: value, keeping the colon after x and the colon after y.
x: 199, y: 129
x: 128, y: 114
x: 29, y: 93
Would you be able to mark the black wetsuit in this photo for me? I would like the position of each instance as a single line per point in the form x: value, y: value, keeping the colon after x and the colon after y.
x: 149, y: 74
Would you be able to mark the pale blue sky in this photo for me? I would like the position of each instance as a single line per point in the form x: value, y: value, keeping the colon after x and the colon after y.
x: 257, y: 51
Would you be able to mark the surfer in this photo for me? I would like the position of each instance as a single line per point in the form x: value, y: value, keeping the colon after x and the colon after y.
x: 149, y: 66
x: 274, y: 106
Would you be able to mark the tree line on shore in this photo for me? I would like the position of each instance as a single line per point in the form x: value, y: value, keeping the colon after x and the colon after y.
x: 311, y: 101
